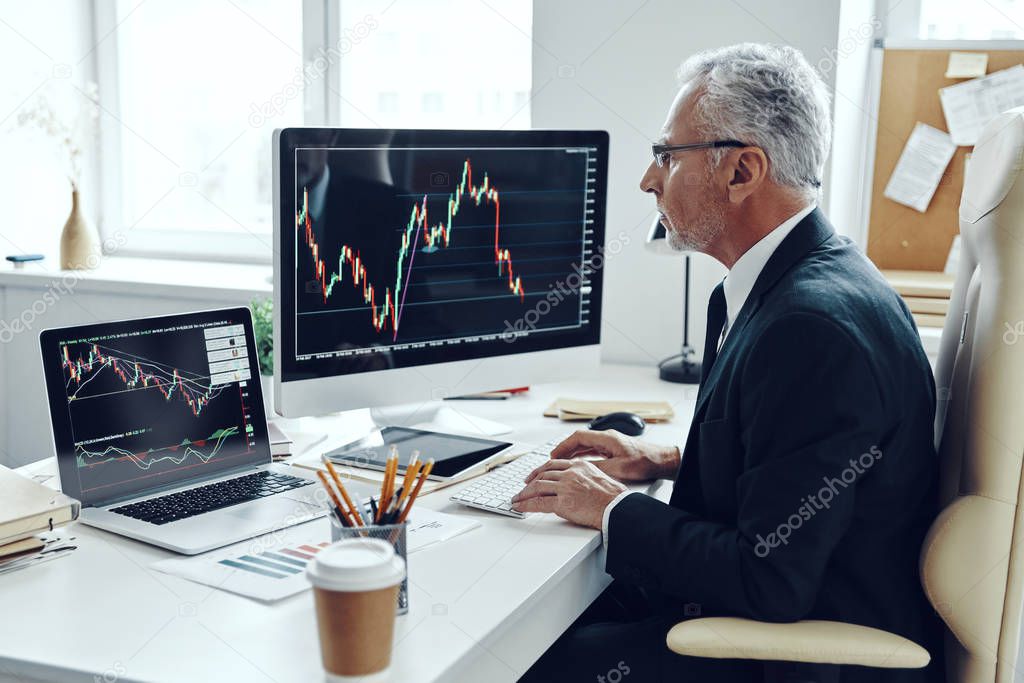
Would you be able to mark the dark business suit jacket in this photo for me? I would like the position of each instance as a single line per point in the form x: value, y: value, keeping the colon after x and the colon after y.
x: 809, y: 476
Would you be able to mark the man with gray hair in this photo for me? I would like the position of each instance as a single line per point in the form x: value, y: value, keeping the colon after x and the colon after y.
x: 809, y: 477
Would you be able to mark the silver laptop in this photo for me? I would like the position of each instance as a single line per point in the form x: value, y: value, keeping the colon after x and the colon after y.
x: 159, y: 430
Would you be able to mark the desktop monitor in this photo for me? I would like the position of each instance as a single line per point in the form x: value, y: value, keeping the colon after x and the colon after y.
x: 412, y: 265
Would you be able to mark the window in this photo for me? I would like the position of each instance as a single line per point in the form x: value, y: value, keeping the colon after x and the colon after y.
x: 43, y: 55
x: 191, y: 90
x: 457, y: 63
x: 201, y: 85
x: 957, y: 20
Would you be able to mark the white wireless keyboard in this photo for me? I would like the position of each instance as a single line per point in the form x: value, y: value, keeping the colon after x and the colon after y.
x: 493, y: 491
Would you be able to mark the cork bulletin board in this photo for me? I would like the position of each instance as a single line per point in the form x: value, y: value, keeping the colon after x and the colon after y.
x: 900, y: 238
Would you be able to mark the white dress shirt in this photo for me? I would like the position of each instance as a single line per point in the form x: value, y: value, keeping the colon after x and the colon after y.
x: 737, y: 285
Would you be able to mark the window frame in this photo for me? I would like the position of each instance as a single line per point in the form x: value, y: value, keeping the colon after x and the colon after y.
x: 901, y: 24
x: 319, y: 29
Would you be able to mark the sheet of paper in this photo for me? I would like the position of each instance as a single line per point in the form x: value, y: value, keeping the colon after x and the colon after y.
x: 269, y: 569
x: 428, y: 527
x: 967, y: 64
x: 968, y: 106
x: 920, y: 167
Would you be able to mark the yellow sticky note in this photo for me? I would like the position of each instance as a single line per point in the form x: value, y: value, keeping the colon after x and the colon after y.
x: 967, y: 64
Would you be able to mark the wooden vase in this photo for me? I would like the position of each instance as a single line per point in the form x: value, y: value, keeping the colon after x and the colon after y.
x: 79, y: 241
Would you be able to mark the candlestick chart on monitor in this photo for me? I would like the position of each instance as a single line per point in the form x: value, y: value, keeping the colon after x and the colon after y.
x: 410, y: 246
x: 160, y: 404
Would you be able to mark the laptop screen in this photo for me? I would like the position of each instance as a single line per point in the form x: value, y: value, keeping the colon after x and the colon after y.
x: 142, y: 405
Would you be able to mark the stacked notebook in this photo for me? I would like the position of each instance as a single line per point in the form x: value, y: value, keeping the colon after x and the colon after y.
x: 280, y: 443
x: 925, y: 293
x: 29, y: 514
x: 571, y: 409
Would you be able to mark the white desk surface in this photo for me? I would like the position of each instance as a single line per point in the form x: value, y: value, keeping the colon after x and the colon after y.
x: 483, y: 606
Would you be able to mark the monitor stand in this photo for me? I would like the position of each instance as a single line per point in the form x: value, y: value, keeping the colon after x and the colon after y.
x: 437, y: 416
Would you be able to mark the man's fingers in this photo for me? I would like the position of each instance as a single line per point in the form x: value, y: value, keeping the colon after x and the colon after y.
x: 540, y: 487
x: 606, y: 464
x: 583, y: 442
x: 548, y: 466
x: 538, y: 504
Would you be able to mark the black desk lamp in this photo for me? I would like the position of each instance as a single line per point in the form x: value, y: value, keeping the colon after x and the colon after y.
x: 683, y: 368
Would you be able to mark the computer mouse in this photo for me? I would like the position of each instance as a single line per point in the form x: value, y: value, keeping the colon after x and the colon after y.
x: 629, y: 424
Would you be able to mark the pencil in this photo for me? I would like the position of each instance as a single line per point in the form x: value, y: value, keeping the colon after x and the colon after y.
x: 393, y: 508
x: 351, y: 509
x: 338, y: 510
x: 386, y: 486
x: 416, y: 491
x: 411, y: 471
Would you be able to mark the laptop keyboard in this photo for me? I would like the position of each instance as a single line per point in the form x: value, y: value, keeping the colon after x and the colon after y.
x: 221, y: 494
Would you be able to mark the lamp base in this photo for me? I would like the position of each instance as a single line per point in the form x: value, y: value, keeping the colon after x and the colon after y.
x: 681, y: 369
x: 680, y: 372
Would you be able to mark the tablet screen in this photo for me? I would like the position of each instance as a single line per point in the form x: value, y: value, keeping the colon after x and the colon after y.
x: 451, y: 453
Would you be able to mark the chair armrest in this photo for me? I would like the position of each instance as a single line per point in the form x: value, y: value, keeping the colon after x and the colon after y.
x: 819, y: 642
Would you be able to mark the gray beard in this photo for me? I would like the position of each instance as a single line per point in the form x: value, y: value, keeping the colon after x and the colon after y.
x: 701, y: 234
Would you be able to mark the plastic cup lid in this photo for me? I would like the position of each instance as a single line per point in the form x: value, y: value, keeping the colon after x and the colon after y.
x: 356, y: 564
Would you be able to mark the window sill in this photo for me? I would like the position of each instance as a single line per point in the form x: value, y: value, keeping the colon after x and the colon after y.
x: 147, y: 277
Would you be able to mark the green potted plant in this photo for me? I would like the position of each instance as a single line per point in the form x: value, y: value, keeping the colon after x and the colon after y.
x: 263, y: 331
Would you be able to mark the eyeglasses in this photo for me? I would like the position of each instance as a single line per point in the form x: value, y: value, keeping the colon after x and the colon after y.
x: 662, y: 153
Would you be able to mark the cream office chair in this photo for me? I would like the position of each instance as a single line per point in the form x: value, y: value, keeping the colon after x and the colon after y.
x: 972, y: 562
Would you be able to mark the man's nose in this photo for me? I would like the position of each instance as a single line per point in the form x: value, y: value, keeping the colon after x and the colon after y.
x: 650, y: 181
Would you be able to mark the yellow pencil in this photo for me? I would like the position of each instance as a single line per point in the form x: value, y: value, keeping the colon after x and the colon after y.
x: 352, y: 509
x: 386, y: 486
x: 408, y: 486
x: 416, y: 491
x: 411, y: 470
x: 344, y: 518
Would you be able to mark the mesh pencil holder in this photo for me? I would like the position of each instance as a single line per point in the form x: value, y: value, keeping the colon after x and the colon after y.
x: 395, y: 534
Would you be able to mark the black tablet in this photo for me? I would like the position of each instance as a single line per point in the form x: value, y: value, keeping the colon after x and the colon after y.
x: 452, y: 454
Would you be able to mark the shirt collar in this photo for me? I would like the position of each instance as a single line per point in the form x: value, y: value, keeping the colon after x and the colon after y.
x: 743, y: 274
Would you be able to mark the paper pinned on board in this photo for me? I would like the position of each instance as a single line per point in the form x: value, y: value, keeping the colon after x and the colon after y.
x: 968, y: 106
x: 967, y: 64
x: 920, y: 167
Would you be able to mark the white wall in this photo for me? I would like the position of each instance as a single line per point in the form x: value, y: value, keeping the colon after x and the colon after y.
x: 611, y: 64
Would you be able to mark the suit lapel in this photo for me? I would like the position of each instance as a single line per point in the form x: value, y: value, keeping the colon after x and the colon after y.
x: 808, y: 234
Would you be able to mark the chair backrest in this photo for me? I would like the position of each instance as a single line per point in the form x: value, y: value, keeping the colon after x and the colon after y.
x: 972, y: 563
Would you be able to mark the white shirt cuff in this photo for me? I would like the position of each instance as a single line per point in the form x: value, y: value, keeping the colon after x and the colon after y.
x: 608, y: 512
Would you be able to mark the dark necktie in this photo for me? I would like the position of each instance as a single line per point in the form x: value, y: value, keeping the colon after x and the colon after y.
x: 716, y: 321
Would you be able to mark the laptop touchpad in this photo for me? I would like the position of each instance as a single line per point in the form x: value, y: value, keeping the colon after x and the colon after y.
x: 270, y: 510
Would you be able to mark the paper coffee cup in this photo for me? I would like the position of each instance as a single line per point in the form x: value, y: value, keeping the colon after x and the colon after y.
x: 355, y: 586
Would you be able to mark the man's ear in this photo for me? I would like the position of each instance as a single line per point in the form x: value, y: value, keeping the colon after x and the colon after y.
x: 749, y: 168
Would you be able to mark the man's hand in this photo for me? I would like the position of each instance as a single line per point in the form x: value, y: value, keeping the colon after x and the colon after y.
x: 574, y: 490
x: 625, y: 458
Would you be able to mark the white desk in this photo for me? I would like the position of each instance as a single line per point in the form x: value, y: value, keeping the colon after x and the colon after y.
x: 483, y: 606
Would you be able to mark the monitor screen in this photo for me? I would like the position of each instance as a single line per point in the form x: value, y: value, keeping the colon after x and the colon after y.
x: 401, y: 248
x: 145, y: 404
